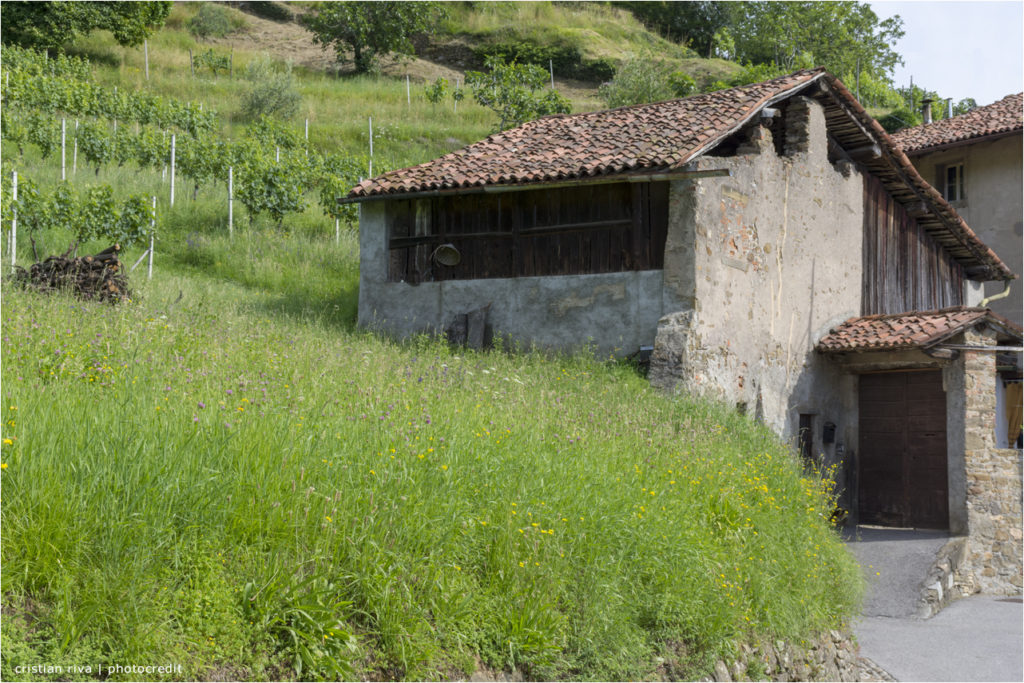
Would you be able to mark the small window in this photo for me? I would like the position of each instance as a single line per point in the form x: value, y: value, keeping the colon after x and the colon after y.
x: 953, y: 183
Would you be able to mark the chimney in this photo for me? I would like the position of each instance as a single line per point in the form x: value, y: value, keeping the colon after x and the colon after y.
x: 926, y: 110
x: 949, y: 107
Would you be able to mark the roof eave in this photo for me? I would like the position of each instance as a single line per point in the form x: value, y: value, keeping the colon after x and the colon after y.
x: 943, y: 146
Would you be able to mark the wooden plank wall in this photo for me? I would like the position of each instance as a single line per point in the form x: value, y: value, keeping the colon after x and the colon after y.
x: 904, y: 269
x: 567, y: 231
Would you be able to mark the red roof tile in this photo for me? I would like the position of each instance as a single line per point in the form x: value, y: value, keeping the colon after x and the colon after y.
x: 1004, y: 116
x: 917, y: 329
x: 663, y: 137
x: 647, y: 137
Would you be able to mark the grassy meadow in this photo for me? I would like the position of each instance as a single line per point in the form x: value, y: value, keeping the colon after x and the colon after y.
x: 227, y: 476
x: 257, y: 490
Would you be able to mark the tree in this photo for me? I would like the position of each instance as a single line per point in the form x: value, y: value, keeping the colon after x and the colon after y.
x: 695, y: 23
x: 51, y: 24
x: 511, y: 91
x: 845, y: 37
x: 369, y: 29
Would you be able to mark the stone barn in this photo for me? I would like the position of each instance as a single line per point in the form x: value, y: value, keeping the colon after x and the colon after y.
x: 769, y: 246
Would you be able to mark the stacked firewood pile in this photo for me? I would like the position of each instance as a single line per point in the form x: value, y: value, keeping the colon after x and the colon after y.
x: 101, y: 276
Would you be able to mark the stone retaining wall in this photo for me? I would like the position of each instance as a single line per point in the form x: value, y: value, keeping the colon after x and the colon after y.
x: 831, y: 656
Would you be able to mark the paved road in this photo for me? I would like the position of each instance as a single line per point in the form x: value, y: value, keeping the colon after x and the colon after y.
x: 974, y: 639
x: 980, y: 638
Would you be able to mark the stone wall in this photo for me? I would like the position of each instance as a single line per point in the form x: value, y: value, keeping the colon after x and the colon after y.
x: 994, y: 558
x: 830, y: 656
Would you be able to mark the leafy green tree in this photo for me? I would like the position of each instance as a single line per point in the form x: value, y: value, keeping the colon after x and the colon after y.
x: 963, y: 106
x: 515, y: 92
x: 845, y: 37
x: 51, y: 24
x: 369, y: 29
x: 696, y: 24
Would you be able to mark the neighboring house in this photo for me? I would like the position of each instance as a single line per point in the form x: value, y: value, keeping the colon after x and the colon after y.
x: 976, y: 161
x: 755, y: 238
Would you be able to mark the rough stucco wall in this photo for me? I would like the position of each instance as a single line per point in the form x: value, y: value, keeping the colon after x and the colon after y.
x: 612, y: 313
x: 993, y: 207
x: 777, y: 261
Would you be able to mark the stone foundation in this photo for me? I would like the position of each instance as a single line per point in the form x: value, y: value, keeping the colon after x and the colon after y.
x: 994, y: 558
x: 831, y: 656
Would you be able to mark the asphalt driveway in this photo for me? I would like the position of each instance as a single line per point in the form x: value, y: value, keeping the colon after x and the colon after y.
x: 980, y: 638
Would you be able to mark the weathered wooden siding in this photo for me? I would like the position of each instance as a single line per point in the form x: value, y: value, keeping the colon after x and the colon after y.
x: 567, y: 231
x: 904, y: 268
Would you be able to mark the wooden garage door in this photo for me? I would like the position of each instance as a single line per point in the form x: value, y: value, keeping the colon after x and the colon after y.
x: 903, y: 479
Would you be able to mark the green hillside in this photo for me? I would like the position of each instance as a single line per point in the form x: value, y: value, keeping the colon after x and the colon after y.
x: 225, y: 476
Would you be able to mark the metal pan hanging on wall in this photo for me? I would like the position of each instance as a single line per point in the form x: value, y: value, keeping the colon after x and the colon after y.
x: 446, y: 255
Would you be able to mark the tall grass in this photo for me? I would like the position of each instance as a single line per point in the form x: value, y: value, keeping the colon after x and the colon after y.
x: 228, y: 485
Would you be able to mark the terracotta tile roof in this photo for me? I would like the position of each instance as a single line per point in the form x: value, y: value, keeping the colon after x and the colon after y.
x: 648, y: 137
x: 917, y: 329
x: 1004, y: 116
x: 663, y: 137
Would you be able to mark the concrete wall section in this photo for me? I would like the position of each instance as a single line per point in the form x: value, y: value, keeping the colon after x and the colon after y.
x: 993, y: 206
x: 613, y: 313
x: 777, y: 262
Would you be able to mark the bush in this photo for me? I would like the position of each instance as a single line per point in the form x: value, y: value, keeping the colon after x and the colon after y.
x: 644, y: 79
x: 212, y: 21
x: 567, y: 60
x: 273, y: 90
x: 275, y: 11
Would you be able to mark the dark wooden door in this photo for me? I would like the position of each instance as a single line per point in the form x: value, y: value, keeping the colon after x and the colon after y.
x: 903, y: 475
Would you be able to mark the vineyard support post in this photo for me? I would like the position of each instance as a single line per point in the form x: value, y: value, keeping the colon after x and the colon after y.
x: 231, y: 202
x: 408, y: 92
x: 14, y: 219
x: 337, y: 230
x: 277, y: 154
x: 152, y: 232
x: 74, y: 156
x: 63, y: 147
x: 371, y: 146
x: 173, y: 136
x: 307, y: 131
x: 145, y: 52
x: 551, y: 68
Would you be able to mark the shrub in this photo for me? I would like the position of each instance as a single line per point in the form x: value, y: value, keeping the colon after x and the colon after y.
x: 212, y: 21
x: 275, y: 11
x: 273, y: 91
x: 567, y: 60
x: 436, y: 91
x: 644, y: 79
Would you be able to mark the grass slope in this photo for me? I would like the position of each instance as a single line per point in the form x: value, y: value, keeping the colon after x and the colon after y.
x: 226, y: 475
x: 237, y: 486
